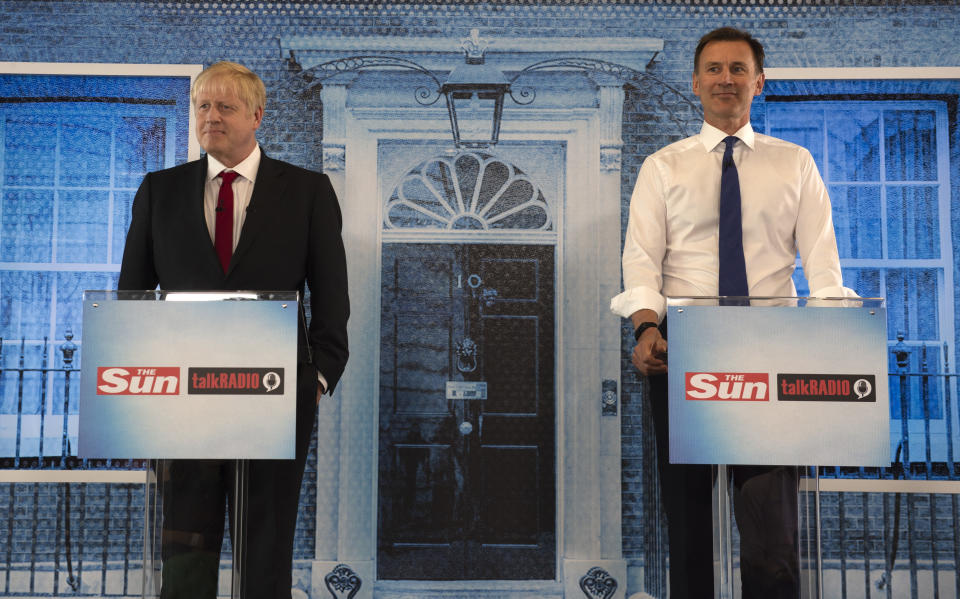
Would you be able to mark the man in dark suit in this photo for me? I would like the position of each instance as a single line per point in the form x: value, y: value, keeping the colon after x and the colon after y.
x: 239, y: 220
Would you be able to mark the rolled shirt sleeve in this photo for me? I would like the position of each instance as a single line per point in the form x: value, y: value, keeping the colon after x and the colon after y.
x: 644, y: 247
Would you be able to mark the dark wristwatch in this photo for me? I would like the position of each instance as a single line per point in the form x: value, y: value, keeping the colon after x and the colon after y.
x: 643, y: 327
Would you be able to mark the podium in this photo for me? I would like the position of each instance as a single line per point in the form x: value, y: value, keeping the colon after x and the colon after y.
x: 776, y: 381
x: 198, y: 383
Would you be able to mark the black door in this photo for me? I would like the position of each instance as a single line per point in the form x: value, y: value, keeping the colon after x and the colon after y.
x: 467, y: 485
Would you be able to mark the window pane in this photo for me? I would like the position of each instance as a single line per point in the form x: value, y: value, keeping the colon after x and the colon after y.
x: 802, y: 127
x: 913, y: 224
x: 82, y: 226
x: 912, y: 303
x: 85, y: 153
x: 24, y: 304
x: 27, y: 234
x: 856, y: 219
x: 853, y: 145
x: 70, y: 288
x: 911, y: 145
x: 122, y: 205
x: 30, y: 150
x: 18, y: 390
x: 140, y: 149
x: 865, y: 281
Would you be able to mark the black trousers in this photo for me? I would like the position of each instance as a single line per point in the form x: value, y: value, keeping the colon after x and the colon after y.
x: 765, y: 508
x: 196, y: 496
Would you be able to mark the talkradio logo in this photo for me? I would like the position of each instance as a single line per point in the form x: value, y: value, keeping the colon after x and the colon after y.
x: 235, y: 381
x: 728, y: 386
x: 126, y: 380
x: 827, y: 387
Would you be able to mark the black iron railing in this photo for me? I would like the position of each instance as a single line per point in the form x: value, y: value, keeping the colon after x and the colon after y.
x: 70, y: 526
x: 895, y: 532
x: 63, y: 533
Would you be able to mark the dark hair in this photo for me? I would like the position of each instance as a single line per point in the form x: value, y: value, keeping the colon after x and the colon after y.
x: 729, y: 34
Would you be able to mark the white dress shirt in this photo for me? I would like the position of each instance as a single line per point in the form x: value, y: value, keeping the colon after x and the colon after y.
x: 671, y: 246
x: 242, y: 191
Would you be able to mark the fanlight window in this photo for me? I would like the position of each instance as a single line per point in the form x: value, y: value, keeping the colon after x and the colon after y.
x: 469, y: 191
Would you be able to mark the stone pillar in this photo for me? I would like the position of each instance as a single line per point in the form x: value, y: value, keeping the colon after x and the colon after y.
x: 593, y: 564
x: 345, y: 531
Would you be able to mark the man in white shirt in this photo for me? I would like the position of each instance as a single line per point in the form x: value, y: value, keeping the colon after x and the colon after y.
x: 671, y: 249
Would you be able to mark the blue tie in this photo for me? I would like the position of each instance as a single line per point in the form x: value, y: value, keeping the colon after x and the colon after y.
x: 733, y: 270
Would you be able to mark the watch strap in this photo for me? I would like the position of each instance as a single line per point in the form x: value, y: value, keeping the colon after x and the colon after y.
x: 643, y: 327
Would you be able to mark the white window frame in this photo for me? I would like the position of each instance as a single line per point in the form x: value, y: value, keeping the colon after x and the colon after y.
x: 53, y: 422
x: 946, y: 316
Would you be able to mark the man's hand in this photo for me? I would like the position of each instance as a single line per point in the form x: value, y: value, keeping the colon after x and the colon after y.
x: 320, y: 391
x: 649, y: 355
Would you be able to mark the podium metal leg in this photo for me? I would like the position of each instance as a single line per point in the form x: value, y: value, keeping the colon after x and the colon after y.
x: 184, y: 506
x: 816, y: 585
x: 722, y: 533
x: 767, y: 516
x: 152, y: 518
x: 239, y: 536
x: 810, y: 550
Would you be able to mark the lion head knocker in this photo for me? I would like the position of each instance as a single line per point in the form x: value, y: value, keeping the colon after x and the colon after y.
x: 467, y: 355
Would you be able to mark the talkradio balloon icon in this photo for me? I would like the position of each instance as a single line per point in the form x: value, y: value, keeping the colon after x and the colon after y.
x: 271, y: 381
x: 862, y: 388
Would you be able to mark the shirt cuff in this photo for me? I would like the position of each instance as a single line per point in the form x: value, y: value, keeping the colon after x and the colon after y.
x: 323, y: 382
x: 834, y: 291
x: 638, y: 298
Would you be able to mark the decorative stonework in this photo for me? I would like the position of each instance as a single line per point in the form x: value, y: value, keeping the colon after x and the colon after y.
x: 342, y: 582
x: 334, y: 158
x: 469, y: 191
x: 610, y: 159
x: 598, y: 584
x: 608, y: 398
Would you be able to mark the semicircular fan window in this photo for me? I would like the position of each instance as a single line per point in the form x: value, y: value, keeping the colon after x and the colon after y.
x: 468, y: 191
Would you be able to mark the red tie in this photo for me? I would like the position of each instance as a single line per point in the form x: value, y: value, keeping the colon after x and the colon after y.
x: 223, y: 226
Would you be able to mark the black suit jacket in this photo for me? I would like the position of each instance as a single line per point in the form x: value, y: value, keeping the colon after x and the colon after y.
x: 290, y: 236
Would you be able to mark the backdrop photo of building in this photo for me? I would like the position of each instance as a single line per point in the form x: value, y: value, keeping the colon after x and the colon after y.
x: 492, y: 261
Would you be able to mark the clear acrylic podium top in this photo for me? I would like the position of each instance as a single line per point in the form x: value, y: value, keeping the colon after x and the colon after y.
x: 160, y: 295
x: 776, y: 301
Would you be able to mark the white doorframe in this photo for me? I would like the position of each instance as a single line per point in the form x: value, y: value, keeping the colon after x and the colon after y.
x: 587, y: 119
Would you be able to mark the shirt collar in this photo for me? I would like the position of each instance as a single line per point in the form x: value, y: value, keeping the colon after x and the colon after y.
x: 711, y: 137
x: 247, y: 168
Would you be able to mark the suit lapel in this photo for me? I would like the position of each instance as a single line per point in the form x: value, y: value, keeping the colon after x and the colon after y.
x: 197, y: 218
x: 266, y: 189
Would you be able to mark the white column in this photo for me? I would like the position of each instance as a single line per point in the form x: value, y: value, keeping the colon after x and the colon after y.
x: 346, y: 456
x: 608, y: 207
x: 333, y: 95
x: 592, y: 521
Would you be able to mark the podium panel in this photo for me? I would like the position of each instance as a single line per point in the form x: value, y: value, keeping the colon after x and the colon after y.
x: 199, y: 384
x: 759, y: 387
x: 765, y: 384
x: 188, y: 375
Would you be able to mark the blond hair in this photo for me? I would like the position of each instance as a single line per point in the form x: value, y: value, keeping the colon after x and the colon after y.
x: 224, y: 74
